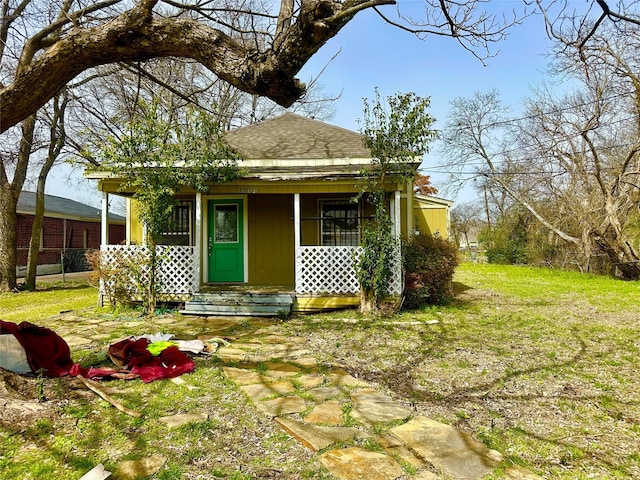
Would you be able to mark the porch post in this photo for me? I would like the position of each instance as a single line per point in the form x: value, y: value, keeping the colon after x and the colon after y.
x: 410, y: 221
x: 197, y: 249
x: 104, y: 222
x: 396, y: 215
x: 296, y: 237
x: 296, y: 219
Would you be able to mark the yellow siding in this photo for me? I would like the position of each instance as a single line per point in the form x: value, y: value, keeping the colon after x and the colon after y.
x: 134, y: 225
x: 312, y: 304
x: 407, y: 212
x: 403, y: 217
x: 430, y: 220
x: 310, y: 230
x: 284, y: 187
x: 349, y: 186
x: 270, y: 236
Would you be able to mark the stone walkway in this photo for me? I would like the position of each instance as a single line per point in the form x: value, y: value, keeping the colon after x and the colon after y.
x: 357, y: 431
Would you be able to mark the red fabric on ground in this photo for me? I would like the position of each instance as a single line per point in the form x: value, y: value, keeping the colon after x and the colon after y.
x: 48, y: 351
x: 169, y: 364
x: 129, y: 352
x: 134, y: 354
x: 98, y: 372
x: 44, y: 348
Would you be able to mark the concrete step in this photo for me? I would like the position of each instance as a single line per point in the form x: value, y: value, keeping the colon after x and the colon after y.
x: 213, y: 309
x: 235, y: 298
x: 235, y: 303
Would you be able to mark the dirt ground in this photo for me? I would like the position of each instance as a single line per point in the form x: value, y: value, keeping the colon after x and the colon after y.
x: 26, y: 399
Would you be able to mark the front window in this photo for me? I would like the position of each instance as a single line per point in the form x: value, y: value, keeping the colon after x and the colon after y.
x: 179, y: 230
x: 339, y: 225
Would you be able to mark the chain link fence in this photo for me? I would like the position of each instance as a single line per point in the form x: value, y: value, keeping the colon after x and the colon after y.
x: 55, y: 260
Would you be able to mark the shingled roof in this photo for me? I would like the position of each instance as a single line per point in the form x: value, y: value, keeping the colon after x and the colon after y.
x: 293, y: 137
x: 293, y: 147
x: 62, y: 208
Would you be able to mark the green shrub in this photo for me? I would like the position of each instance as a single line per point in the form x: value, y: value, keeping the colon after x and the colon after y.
x: 429, y: 263
x: 506, y: 242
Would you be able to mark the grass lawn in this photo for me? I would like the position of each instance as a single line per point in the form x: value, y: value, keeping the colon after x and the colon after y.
x: 539, y: 364
x: 47, y: 301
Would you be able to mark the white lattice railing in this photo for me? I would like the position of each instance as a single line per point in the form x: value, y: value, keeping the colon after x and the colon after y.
x: 318, y: 269
x: 177, y: 272
x: 333, y: 270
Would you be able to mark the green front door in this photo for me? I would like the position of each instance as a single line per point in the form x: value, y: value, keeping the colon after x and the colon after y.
x: 226, y: 241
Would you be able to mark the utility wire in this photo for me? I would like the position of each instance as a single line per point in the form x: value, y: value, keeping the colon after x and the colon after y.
x: 570, y: 108
x: 524, y: 148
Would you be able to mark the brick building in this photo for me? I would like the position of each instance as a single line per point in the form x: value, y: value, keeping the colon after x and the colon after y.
x: 69, y: 229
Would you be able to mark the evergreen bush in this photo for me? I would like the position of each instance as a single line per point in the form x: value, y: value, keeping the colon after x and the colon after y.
x: 429, y: 263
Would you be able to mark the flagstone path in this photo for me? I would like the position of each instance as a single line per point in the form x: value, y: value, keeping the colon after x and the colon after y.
x: 357, y: 431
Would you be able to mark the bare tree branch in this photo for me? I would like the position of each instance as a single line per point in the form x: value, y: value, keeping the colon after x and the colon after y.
x: 247, y: 45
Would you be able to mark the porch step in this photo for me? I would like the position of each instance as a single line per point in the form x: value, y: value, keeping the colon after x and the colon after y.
x: 240, y: 303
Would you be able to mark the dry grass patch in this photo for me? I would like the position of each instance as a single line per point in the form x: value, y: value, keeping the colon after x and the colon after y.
x: 540, y: 365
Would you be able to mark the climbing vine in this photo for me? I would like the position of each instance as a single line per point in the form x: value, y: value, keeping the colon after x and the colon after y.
x: 398, y: 133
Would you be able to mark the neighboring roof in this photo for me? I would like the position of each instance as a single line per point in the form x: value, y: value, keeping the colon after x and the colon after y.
x: 293, y: 137
x: 63, y: 208
x: 426, y: 200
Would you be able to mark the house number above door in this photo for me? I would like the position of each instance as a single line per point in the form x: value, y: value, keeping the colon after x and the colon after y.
x: 248, y: 190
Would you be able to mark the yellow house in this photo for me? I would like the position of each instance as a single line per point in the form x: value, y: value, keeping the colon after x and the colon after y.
x: 285, y: 235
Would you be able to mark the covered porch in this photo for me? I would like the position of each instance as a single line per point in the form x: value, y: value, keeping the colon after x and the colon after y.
x: 280, y: 236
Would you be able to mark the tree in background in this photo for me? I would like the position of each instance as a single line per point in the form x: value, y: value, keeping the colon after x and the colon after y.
x: 178, y: 88
x: 56, y: 142
x: 466, y: 223
x: 506, y: 242
x: 571, y: 161
x: 398, y: 133
x: 422, y: 185
x: 158, y: 157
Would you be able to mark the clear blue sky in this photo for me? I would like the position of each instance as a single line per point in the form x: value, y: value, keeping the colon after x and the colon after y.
x: 373, y: 54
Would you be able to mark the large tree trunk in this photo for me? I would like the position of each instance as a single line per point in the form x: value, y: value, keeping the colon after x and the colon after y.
x: 8, y: 225
x: 622, y: 257
x: 9, y: 194
x: 368, y: 303
x: 629, y: 270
